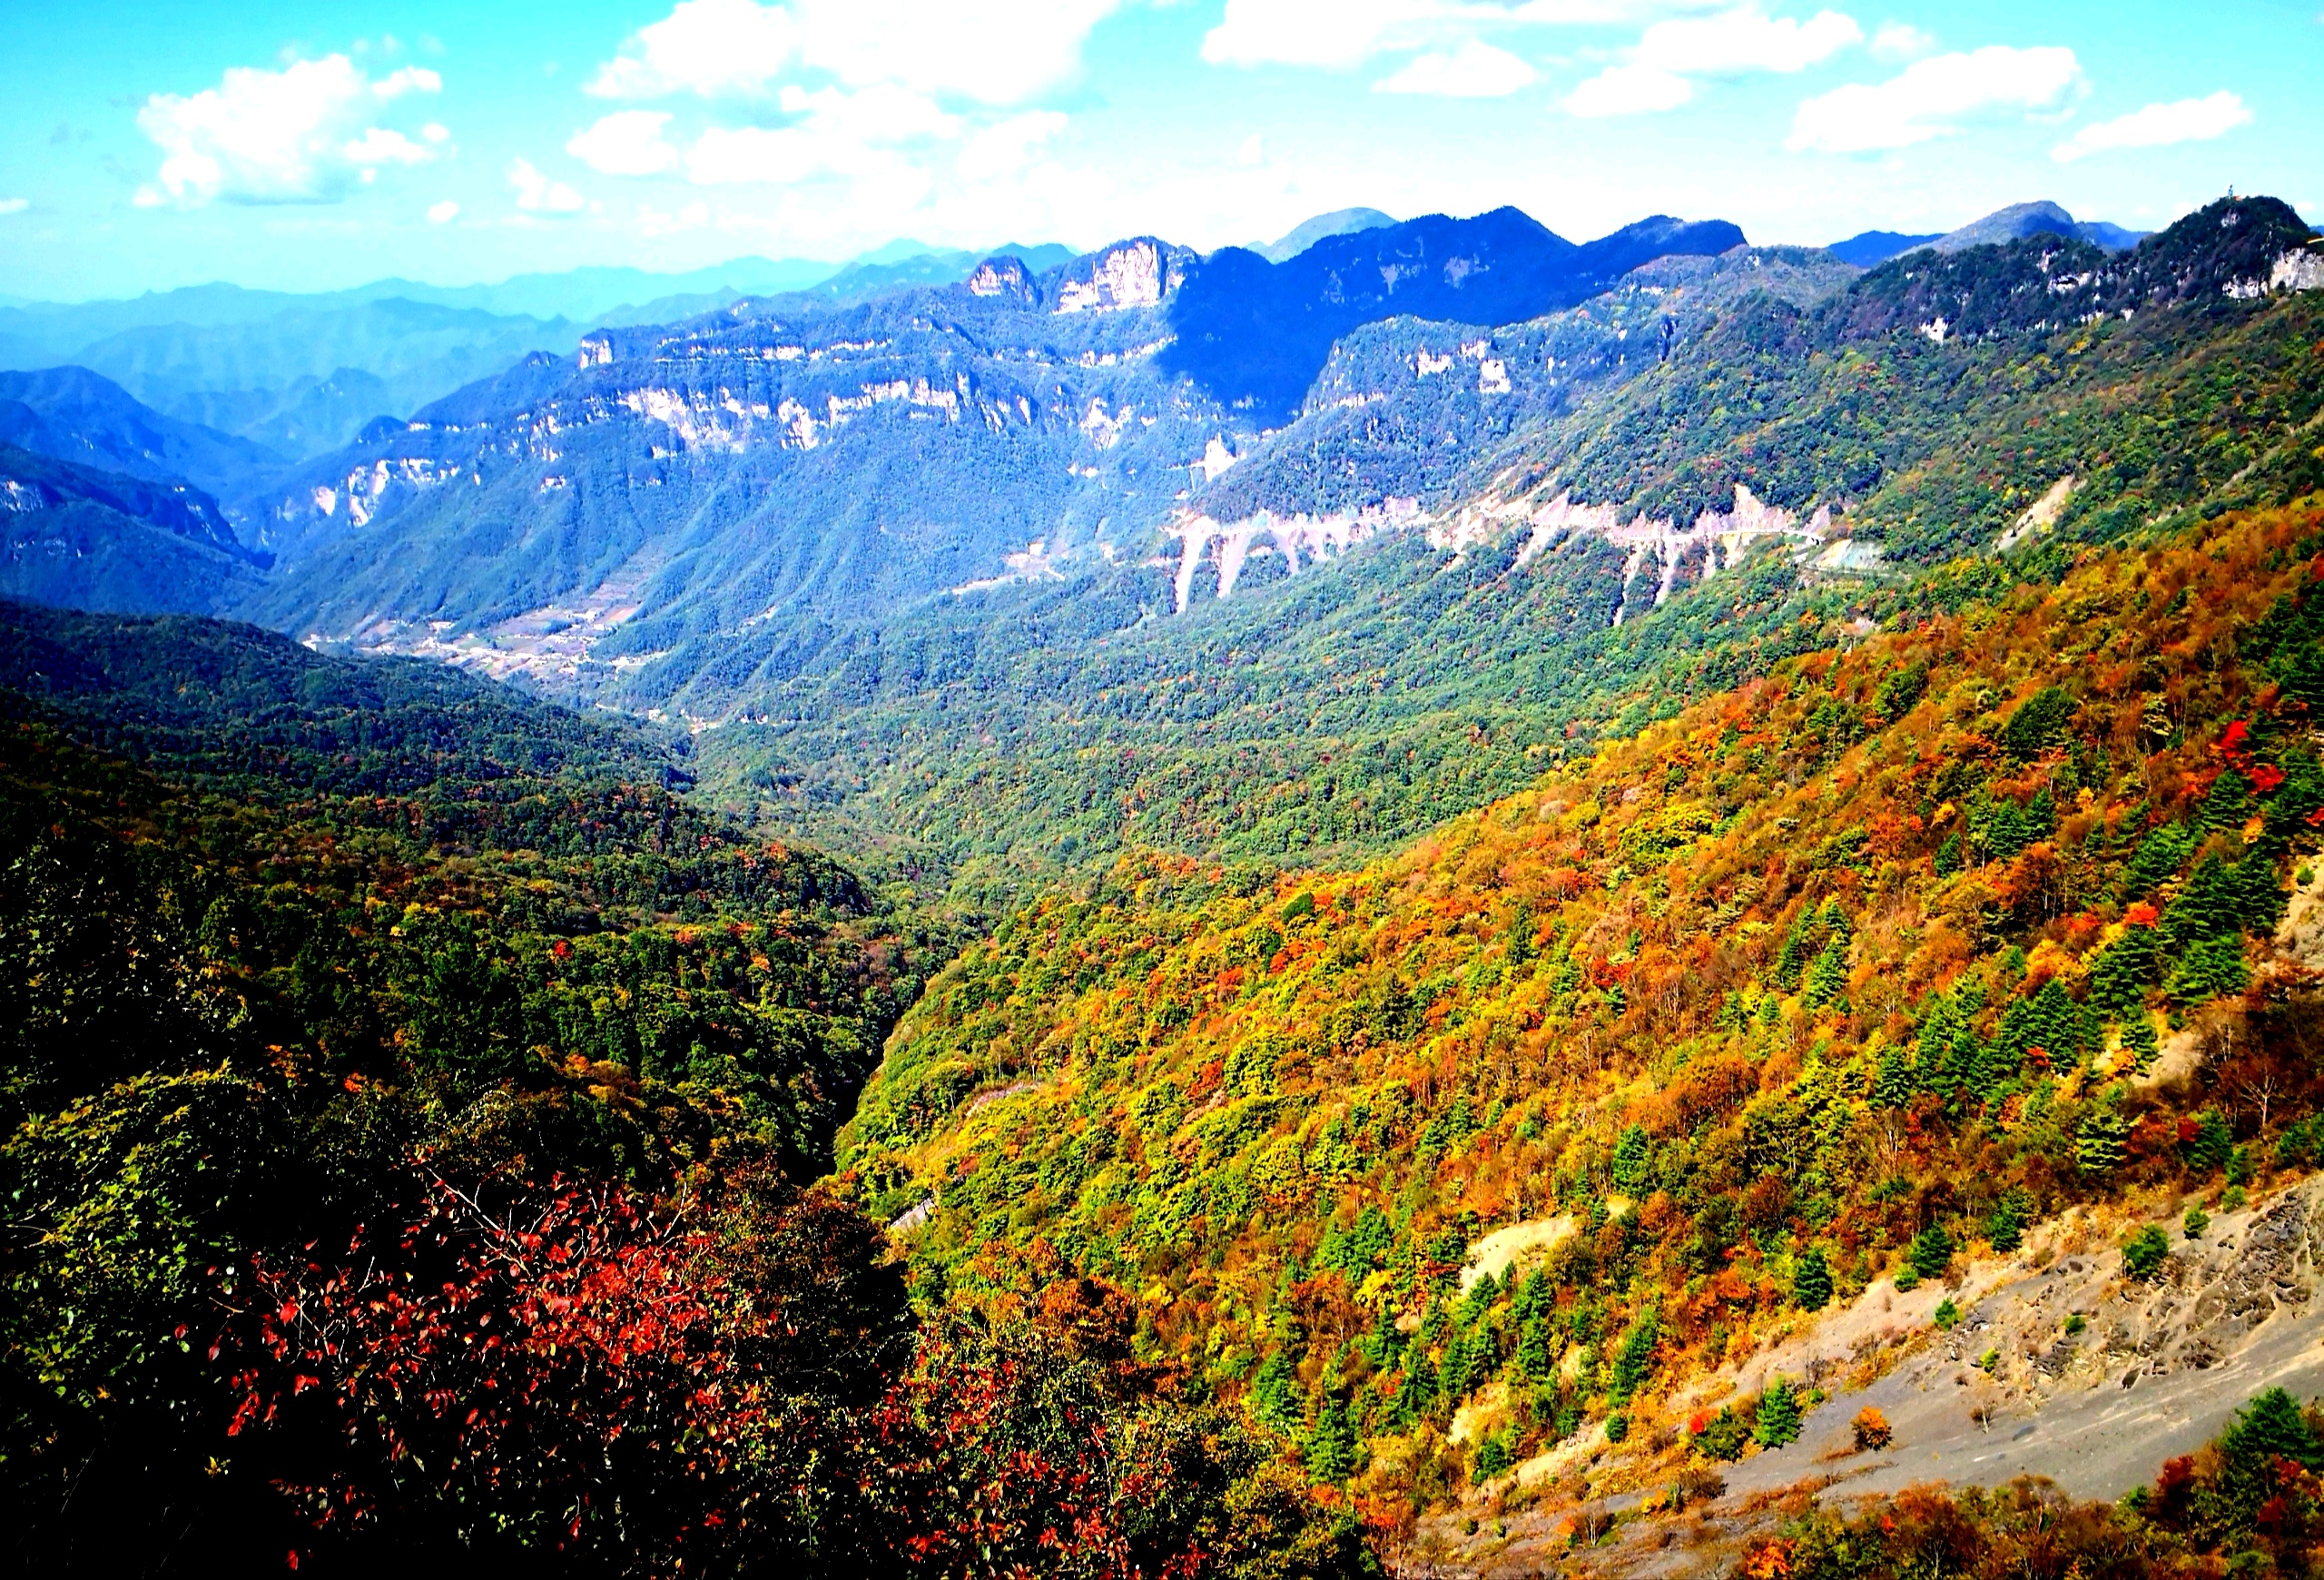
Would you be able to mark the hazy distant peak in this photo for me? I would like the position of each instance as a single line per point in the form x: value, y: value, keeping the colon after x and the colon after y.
x: 899, y: 251
x: 2020, y: 219
x: 1307, y: 233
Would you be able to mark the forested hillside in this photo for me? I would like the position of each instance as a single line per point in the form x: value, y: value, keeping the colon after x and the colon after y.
x: 1371, y: 977
x: 1835, y: 977
x: 1008, y: 735
x: 410, y: 1110
x: 74, y: 536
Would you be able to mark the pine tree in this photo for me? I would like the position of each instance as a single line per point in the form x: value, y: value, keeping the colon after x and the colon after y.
x: 1931, y: 1251
x: 1329, y: 1451
x: 1778, y: 1420
x: 1893, y: 1086
x: 2102, y: 1142
x: 2120, y: 975
x: 1275, y: 1394
x: 1791, y: 958
x: 2139, y: 1042
x: 1811, y: 1280
x: 2005, y: 1229
x: 1633, y: 1160
x: 1827, y: 977
x: 1418, y: 1397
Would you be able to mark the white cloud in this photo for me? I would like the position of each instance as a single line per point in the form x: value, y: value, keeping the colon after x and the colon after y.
x: 882, y: 114
x: 300, y: 135
x: 1474, y: 71
x: 706, y: 47
x: 1731, y: 44
x: 537, y: 195
x: 625, y: 143
x: 1313, y: 33
x: 379, y: 146
x: 443, y: 213
x: 1746, y: 40
x: 840, y: 133
x: 1341, y: 34
x: 2159, y: 125
x: 1900, y: 41
x: 15, y: 205
x: 1931, y: 97
x: 406, y: 80
x: 994, y: 52
x: 1629, y: 90
x: 1001, y: 150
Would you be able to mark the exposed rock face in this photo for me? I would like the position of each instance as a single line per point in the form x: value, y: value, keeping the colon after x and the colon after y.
x: 1001, y: 277
x: 1138, y: 273
x: 2301, y: 268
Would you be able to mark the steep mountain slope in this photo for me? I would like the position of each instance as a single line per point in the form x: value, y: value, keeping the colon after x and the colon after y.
x: 78, y: 416
x: 1507, y: 1141
x: 1507, y: 587
x: 499, y: 1085
x: 302, y: 374
x: 886, y: 270
x: 222, y: 705
x: 729, y: 485
x: 85, y: 539
x: 1251, y: 332
x: 746, y: 470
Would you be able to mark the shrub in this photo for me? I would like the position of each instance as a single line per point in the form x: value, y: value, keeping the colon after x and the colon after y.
x: 2196, y: 1221
x: 1871, y: 1430
x: 1723, y: 1437
x: 2142, y: 1253
x: 1946, y: 1315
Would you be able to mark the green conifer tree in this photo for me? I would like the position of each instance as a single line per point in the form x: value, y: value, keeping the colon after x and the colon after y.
x: 1811, y: 1280
x: 1329, y: 1452
x: 1275, y: 1394
x: 2102, y: 1140
x: 1827, y: 976
x: 1894, y: 1085
x: 1931, y: 1251
x: 1777, y: 1422
x: 1633, y: 1160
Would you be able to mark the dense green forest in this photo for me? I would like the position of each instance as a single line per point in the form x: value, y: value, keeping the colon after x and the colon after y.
x: 411, y: 1105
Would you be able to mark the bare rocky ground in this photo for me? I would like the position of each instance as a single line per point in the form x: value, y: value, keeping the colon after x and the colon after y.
x: 2153, y: 1369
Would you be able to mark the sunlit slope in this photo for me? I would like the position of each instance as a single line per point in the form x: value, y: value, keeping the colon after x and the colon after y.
x: 1833, y: 976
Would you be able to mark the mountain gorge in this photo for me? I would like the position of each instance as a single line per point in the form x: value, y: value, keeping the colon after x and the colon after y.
x: 1447, y: 904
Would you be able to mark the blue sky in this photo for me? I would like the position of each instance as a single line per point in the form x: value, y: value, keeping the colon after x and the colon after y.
x: 316, y: 145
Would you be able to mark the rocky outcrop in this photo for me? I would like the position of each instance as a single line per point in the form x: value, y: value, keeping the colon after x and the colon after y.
x: 1139, y: 273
